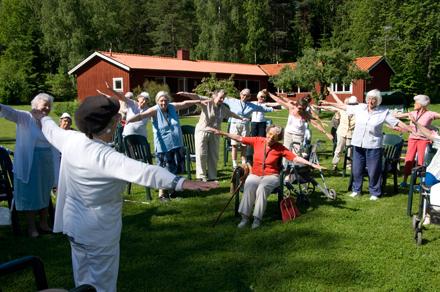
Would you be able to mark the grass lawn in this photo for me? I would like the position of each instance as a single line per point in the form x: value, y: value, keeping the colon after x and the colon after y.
x: 342, y: 245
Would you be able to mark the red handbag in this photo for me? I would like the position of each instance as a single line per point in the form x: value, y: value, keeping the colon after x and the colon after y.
x: 289, y: 211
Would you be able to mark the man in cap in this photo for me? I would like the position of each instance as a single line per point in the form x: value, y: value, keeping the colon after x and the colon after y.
x: 243, y: 108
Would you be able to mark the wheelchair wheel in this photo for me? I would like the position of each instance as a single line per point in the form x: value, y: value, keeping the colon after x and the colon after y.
x: 307, y: 188
x: 415, y: 222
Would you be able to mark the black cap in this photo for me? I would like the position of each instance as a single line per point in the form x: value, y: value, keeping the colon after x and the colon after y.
x: 95, y: 113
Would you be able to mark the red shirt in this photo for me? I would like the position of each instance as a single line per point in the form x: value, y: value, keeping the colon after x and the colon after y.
x: 273, y: 155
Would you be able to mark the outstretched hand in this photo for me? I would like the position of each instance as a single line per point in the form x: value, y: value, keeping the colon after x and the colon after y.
x: 193, y: 185
x: 212, y: 130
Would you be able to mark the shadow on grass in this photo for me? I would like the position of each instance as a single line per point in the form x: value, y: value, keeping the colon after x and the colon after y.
x: 184, y: 256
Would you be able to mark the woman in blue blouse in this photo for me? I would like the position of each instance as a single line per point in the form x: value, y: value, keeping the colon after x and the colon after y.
x: 168, y: 141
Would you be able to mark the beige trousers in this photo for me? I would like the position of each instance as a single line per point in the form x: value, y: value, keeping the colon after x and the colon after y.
x: 206, y: 154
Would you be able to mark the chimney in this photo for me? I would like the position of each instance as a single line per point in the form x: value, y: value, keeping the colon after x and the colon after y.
x: 182, y: 54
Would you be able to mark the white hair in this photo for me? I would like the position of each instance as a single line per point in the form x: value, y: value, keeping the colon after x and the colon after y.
x: 422, y: 99
x: 129, y: 94
x: 162, y: 93
x: 41, y: 97
x: 245, y: 91
x: 374, y: 94
x: 261, y: 93
x: 278, y: 131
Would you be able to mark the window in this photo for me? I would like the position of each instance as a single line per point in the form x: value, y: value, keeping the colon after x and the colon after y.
x: 339, y: 88
x: 118, y: 84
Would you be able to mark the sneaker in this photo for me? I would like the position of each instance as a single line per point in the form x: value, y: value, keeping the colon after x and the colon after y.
x: 427, y: 220
x: 403, y: 184
x: 243, y: 223
x: 355, y: 194
x: 164, y: 199
x: 334, y: 168
x: 256, y: 223
x: 374, y: 198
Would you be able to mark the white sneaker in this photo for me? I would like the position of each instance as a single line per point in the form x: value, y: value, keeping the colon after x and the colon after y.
x: 374, y: 198
x: 427, y: 220
x: 243, y: 223
x: 355, y: 194
x: 256, y: 223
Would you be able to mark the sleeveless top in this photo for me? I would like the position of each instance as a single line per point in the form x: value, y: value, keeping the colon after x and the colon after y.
x: 296, y: 126
x: 166, y: 130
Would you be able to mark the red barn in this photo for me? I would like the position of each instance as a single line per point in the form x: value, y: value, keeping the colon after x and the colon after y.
x: 124, y: 72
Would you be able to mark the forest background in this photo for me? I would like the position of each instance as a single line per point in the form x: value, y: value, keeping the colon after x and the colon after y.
x: 40, y: 40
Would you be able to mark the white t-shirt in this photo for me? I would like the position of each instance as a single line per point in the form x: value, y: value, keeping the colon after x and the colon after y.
x: 135, y: 128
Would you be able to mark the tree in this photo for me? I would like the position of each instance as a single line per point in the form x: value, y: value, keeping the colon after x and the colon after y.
x: 209, y: 84
x: 21, y: 62
x: 256, y: 47
x: 323, y: 67
x: 175, y: 28
x: 285, y: 79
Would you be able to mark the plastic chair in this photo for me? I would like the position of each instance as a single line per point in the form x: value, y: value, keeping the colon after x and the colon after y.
x: 137, y: 147
x: 392, y: 149
x: 6, y: 186
x: 190, y: 147
x: 118, y: 142
x: 37, y: 266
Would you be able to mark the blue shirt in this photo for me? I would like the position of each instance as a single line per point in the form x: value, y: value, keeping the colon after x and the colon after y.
x: 243, y: 108
x: 166, y: 130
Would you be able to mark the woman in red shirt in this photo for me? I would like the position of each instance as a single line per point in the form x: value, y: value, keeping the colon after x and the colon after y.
x: 264, y: 176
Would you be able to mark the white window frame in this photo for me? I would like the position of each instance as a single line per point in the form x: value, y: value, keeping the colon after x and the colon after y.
x: 115, y: 80
x: 345, y: 88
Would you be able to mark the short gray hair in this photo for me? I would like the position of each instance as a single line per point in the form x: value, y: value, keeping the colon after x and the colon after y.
x: 162, y: 93
x: 218, y: 91
x: 375, y: 93
x: 41, y: 97
x: 278, y: 130
x: 245, y: 91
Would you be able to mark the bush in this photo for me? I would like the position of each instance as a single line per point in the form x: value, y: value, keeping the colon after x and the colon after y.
x: 65, y: 107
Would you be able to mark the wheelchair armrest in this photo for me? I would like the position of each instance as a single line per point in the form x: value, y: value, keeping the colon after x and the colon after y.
x: 22, y: 263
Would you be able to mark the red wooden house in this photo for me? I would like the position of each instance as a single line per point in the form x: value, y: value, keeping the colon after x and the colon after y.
x: 127, y: 71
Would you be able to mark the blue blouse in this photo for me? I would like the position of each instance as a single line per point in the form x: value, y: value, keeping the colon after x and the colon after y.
x: 166, y: 130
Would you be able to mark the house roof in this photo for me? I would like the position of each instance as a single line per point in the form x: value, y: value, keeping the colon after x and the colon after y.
x: 132, y: 61
x: 364, y: 63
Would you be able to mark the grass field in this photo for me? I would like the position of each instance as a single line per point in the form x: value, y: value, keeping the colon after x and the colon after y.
x: 342, y: 245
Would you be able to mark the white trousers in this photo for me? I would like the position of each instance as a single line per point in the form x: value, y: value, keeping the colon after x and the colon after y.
x: 341, y: 142
x: 206, y: 154
x: 97, y: 266
x: 256, y: 190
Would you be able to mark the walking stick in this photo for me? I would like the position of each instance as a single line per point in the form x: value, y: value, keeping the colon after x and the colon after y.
x: 239, y: 171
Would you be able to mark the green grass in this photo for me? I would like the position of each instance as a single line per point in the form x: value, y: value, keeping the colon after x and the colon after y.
x: 344, y: 245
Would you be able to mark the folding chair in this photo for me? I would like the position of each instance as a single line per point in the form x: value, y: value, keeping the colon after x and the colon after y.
x: 190, y: 147
x: 37, y: 266
x: 137, y: 147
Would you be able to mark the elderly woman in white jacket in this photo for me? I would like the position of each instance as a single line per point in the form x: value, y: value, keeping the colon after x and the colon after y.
x: 34, y: 163
x: 367, y: 140
x: 92, y: 177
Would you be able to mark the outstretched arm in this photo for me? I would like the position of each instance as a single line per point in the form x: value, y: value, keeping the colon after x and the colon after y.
x: 335, y: 97
x: 116, y: 93
x: 301, y: 160
x: 342, y: 106
x: 191, y: 95
x: 319, y: 127
x: 144, y: 115
x: 280, y: 100
x: 186, y: 104
x: 221, y: 133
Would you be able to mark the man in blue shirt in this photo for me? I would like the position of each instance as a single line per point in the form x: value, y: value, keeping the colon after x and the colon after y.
x: 244, y: 109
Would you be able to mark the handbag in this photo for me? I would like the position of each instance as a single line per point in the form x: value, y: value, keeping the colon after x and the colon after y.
x: 289, y: 210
